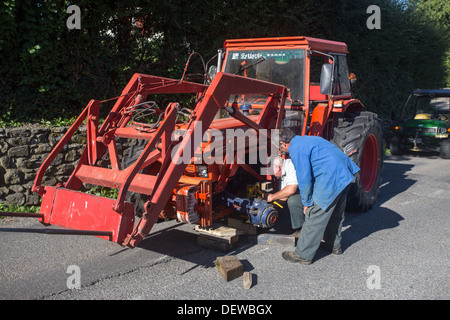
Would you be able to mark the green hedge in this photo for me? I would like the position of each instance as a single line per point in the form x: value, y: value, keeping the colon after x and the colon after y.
x: 49, y: 72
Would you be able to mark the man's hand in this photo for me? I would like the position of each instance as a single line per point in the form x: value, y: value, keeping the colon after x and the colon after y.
x: 304, y: 209
x: 283, y: 195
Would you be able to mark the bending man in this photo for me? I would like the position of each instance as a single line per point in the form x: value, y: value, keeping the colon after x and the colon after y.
x: 285, y: 171
x: 324, y: 174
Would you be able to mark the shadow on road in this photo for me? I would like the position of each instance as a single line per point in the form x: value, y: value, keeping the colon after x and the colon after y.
x: 358, y: 226
x: 175, y: 242
x: 180, y: 244
x: 395, y: 179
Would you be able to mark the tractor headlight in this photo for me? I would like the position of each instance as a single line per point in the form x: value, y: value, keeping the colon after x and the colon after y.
x: 398, y: 129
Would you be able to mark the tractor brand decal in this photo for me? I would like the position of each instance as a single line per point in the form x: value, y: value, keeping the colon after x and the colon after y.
x: 267, y: 54
x: 246, y: 55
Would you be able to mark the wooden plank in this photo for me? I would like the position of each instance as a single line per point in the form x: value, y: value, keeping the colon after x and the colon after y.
x: 276, y: 239
x: 222, y: 238
x: 229, y: 267
x: 246, y: 227
x: 223, y: 244
x: 247, y: 280
x: 222, y: 231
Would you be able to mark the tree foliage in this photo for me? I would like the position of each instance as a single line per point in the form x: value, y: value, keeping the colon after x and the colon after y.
x: 48, y: 71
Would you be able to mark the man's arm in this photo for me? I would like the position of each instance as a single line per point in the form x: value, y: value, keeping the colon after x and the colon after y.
x: 283, y: 194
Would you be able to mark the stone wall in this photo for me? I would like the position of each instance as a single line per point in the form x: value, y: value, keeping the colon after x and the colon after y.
x: 22, y: 151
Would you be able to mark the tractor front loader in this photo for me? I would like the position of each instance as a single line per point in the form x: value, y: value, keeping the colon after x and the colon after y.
x: 166, y: 181
x: 258, y: 86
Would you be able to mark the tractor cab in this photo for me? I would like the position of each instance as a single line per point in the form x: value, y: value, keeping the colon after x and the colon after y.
x: 281, y: 66
x: 315, y: 72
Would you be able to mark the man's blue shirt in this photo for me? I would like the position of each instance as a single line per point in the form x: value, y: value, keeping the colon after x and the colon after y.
x: 323, y: 170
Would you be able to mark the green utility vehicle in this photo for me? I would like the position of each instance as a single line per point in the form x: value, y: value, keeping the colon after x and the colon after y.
x: 424, y: 123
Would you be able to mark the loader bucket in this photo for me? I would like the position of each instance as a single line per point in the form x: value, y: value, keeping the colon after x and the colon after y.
x: 76, y: 210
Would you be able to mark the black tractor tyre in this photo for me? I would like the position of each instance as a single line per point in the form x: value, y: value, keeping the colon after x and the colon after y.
x: 395, y: 146
x: 445, y: 149
x: 137, y: 199
x: 360, y: 137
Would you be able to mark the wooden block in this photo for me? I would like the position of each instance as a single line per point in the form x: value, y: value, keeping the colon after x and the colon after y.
x: 246, y: 227
x: 222, y: 231
x: 230, y: 267
x: 217, y: 243
x: 247, y: 280
x: 276, y: 239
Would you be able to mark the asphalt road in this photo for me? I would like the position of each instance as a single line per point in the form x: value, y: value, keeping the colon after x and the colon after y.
x: 397, y: 250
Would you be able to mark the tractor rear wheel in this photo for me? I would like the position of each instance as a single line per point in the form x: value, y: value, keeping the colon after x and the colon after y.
x: 360, y: 137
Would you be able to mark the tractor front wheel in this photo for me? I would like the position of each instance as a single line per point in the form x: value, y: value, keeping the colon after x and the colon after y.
x: 360, y: 137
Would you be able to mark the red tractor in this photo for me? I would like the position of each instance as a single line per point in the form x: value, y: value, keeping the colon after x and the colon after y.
x: 197, y: 162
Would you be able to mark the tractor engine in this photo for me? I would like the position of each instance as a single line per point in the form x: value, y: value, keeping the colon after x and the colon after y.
x: 260, y: 213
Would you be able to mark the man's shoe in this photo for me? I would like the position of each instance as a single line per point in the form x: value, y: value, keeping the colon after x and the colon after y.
x: 291, y: 256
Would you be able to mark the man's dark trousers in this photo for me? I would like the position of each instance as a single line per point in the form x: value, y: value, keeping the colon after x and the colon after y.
x: 319, y: 223
x: 294, y: 207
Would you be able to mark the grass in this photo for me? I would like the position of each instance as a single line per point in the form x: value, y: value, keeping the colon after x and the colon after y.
x: 57, y: 122
x: 103, y: 192
x: 16, y: 208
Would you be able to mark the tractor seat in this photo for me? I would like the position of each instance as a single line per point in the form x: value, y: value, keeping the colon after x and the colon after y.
x: 422, y: 116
